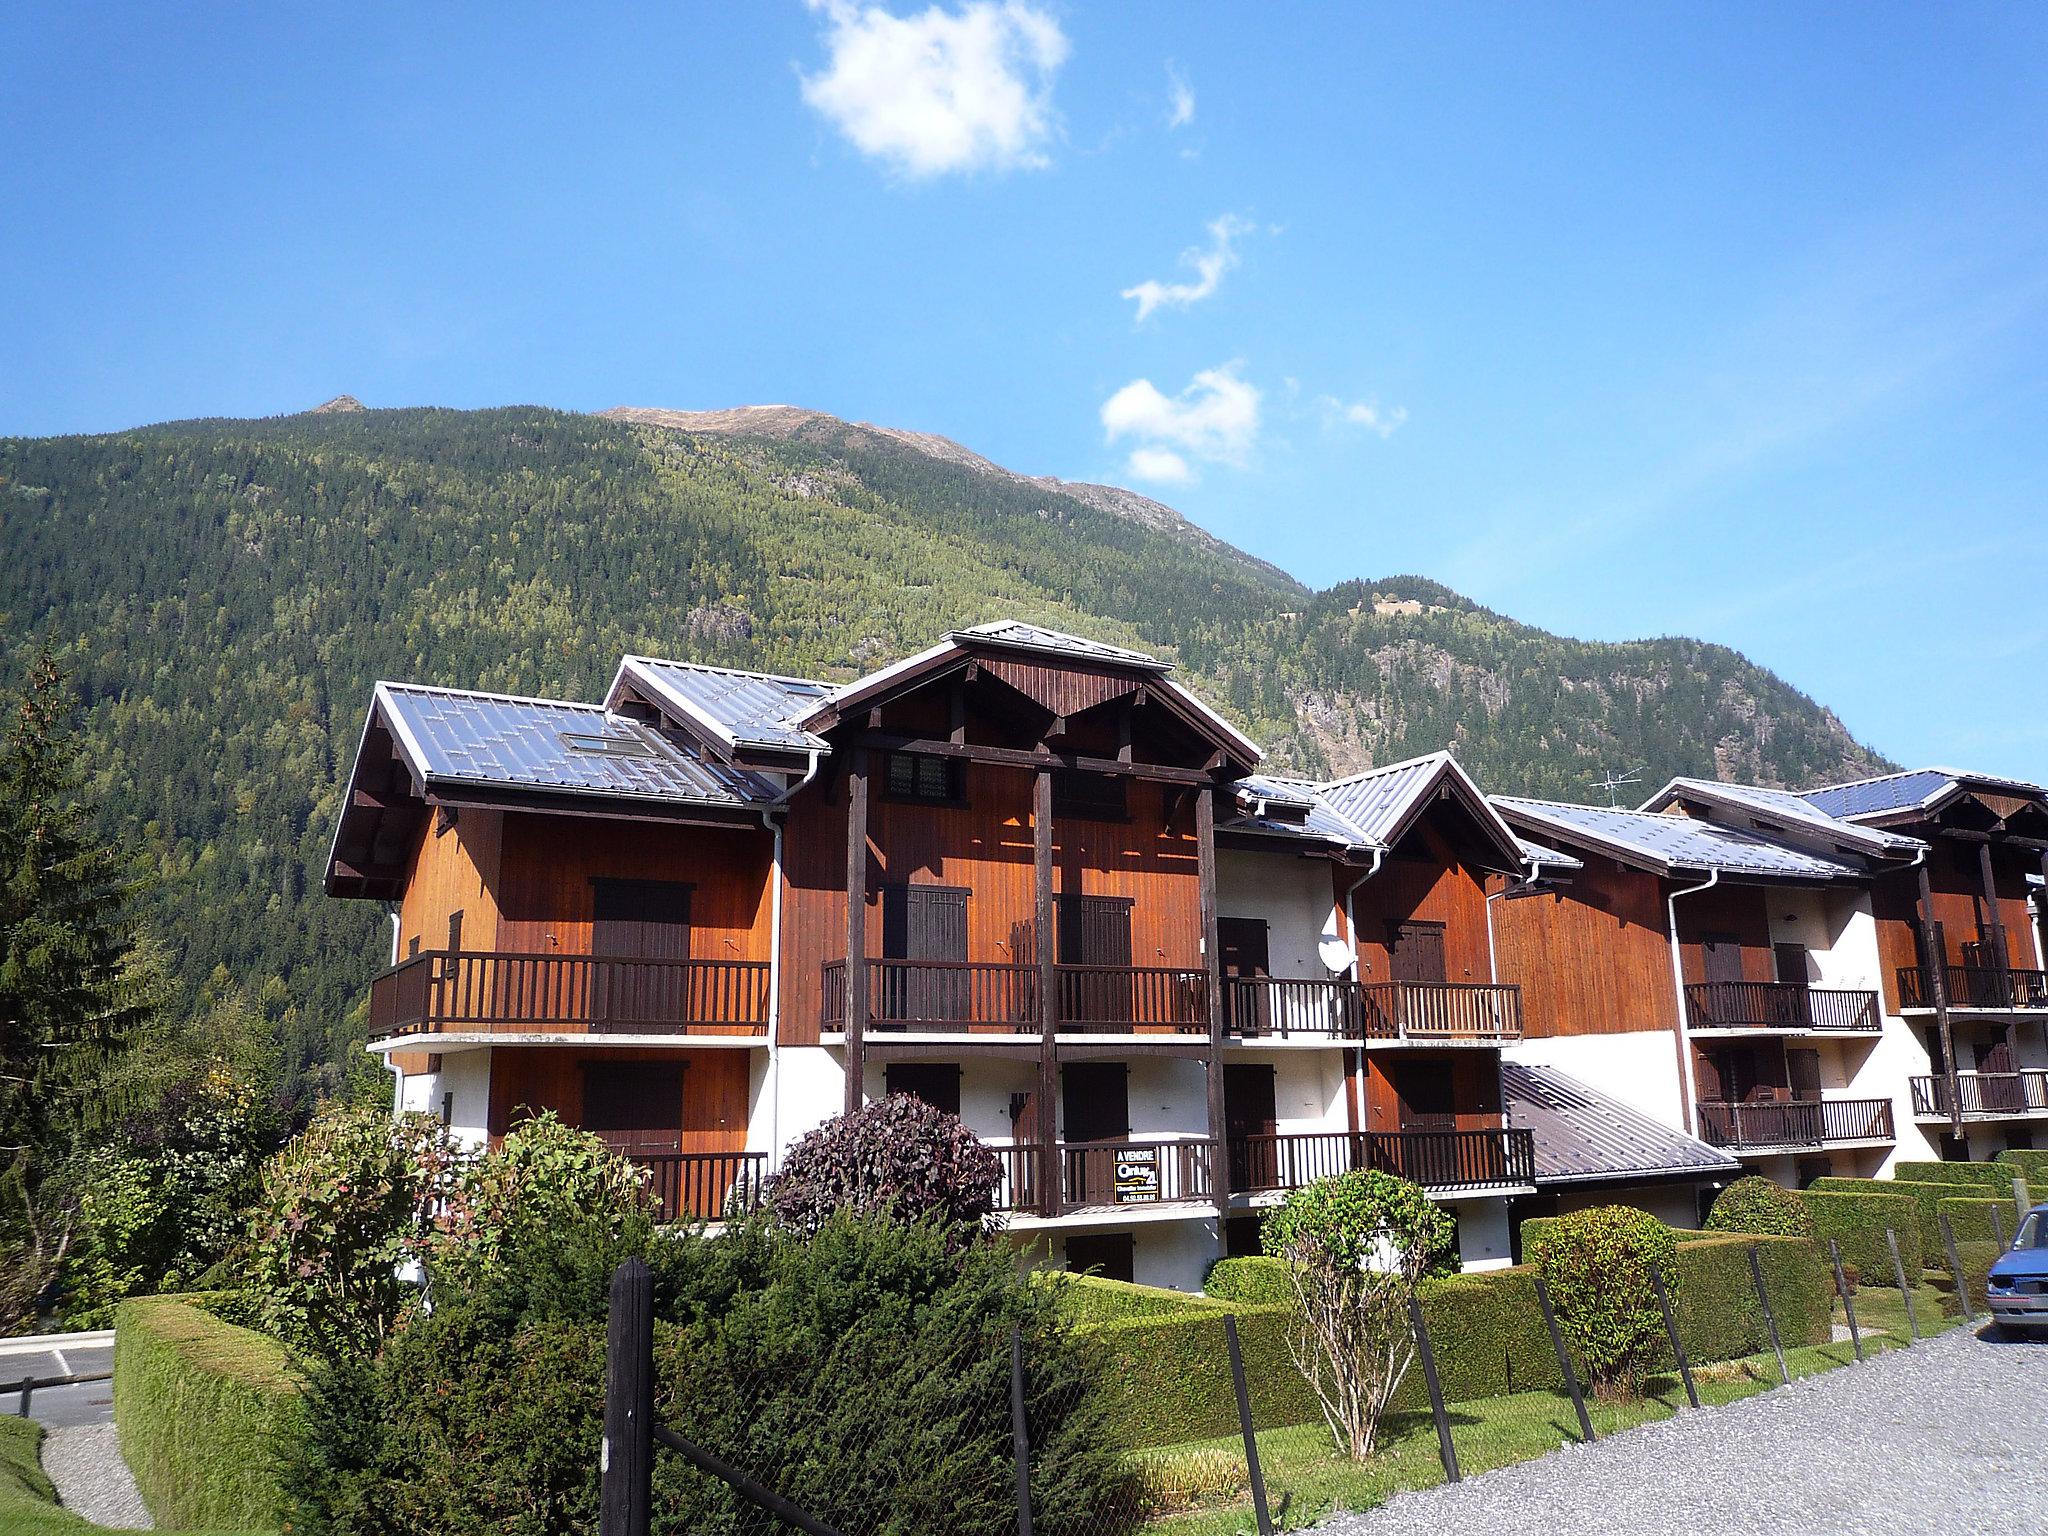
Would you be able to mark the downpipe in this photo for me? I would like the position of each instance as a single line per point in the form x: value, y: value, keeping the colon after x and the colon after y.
x: 1688, y: 1079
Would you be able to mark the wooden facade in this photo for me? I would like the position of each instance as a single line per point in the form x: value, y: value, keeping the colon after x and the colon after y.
x: 1592, y: 958
x: 710, y: 1115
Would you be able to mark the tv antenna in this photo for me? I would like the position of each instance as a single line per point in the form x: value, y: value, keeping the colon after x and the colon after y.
x: 1611, y: 782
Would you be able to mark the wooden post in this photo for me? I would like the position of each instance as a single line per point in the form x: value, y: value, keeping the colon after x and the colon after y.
x: 1899, y: 1274
x: 1994, y: 924
x: 1955, y: 1268
x: 1445, y: 1450
x: 1692, y: 1393
x: 1212, y: 981
x: 856, y: 929
x: 1848, y: 1306
x: 1048, y: 1115
x: 1998, y: 1226
x: 1934, y: 960
x: 2019, y: 1195
x: 1020, y: 1433
x: 1564, y: 1359
x: 1244, y: 1423
x: 28, y: 1392
x: 626, y: 1464
x: 1763, y: 1299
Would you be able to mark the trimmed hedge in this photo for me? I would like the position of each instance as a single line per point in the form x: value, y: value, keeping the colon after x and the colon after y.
x: 1168, y: 1377
x: 1090, y: 1299
x: 1988, y: 1178
x: 1925, y: 1195
x: 1971, y: 1218
x: 1856, y: 1219
x: 1254, y: 1281
x: 205, y: 1410
x: 2031, y: 1163
x: 1718, y: 1314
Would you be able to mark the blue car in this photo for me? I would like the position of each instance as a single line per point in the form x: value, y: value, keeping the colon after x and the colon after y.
x: 2019, y: 1276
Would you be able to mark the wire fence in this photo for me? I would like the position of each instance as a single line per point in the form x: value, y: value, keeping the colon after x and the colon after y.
x: 985, y: 1437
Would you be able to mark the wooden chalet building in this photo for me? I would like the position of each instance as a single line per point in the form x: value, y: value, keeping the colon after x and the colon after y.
x: 1023, y: 875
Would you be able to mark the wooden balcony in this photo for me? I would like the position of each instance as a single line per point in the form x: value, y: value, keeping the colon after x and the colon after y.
x: 1281, y: 1008
x: 1767, y: 1124
x: 484, y: 992
x: 1983, y: 1095
x: 1441, y: 1012
x: 1984, y: 988
x: 1780, y: 1006
x: 968, y: 997
x: 1440, y: 1160
x: 1108, y: 1176
x: 704, y: 1186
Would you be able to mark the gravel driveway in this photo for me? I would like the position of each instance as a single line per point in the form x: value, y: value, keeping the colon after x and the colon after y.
x: 1942, y: 1438
x: 93, y: 1482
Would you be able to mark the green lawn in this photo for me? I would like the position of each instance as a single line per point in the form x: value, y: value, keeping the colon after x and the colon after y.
x: 1203, y: 1491
x: 28, y: 1504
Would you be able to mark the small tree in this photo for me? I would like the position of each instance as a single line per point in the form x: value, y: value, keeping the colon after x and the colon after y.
x: 1596, y: 1264
x: 898, y: 1155
x: 1758, y: 1206
x: 1355, y: 1246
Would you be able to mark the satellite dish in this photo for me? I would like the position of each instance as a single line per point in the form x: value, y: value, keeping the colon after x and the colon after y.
x: 1334, y: 952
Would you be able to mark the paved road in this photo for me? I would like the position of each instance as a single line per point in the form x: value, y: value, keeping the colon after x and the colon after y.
x: 88, y: 1403
x: 1939, y: 1440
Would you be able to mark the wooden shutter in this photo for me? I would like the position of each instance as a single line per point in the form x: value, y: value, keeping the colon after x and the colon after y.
x: 937, y: 1083
x: 924, y: 923
x: 1094, y: 930
x: 634, y: 1105
x: 1721, y: 957
x: 1416, y: 952
x: 1250, y: 1110
x: 640, y: 919
x: 1802, y: 1073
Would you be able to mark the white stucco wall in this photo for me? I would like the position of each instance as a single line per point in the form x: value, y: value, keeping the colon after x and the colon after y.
x: 1640, y: 1068
x: 809, y: 1088
x: 467, y: 1076
x: 1293, y: 896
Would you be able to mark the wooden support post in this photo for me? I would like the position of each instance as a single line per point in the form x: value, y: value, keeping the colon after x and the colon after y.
x: 1444, y: 1449
x: 1763, y: 1299
x: 626, y: 1463
x: 1020, y: 1433
x: 1934, y: 961
x: 856, y: 929
x: 28, y: 1392
x: 1047, y: 1128
x: 1244, y: 1423
x: 1994, y: 925
x: 1692, y: 1393
x: 1212, y: 983
x: 1564, y: 1360
x: 1848, y: 1303
x: 1905, y: 1294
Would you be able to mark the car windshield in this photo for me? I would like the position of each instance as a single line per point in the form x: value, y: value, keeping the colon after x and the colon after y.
x: 2033, y: 1232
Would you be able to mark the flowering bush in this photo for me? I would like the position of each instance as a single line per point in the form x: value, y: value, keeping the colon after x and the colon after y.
x: 898, y: 1155
x: 1596, y: 1264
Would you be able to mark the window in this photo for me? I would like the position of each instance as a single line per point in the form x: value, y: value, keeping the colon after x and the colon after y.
x: 917, y: 776
x: 1090, y: 796
x: 936, y: 1083
x: 447, y: 1110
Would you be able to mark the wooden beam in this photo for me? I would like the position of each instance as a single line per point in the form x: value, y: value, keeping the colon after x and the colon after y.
x: 1934, y: 961
x: 1123, y: 731
x: 856, y: 928
x: 1014, y: 757
x: 956, y: 713
x: 1995, y: 924
x: 1212, y: 976
x: 1048, y: 992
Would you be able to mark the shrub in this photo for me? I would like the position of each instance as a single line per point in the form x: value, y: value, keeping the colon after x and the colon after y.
x: 898, y: 1155
x: 1716, y: 1307
x: 1596, y: 1263
x: 1756, y: 1205
x: 342, y: 1207
x: 208, y: 1414
x: 1253, y: 1281
x: 1857, y: 1218
x: 1983, y: 1179
x: 2029, y: 1163
x: 1355, y: 1247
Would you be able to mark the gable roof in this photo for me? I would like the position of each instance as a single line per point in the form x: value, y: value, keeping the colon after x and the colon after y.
x: 1314, y: 820
x: 1914, y: 789
x: 738, y: 709
x: 1795, y: 811
x: 1384, y: 803
x: 1549, y: 858
x: 1672, y: 844
x: 1584, y: 1137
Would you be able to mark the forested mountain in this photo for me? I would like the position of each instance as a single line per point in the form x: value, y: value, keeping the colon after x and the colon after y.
x: 224, y: 593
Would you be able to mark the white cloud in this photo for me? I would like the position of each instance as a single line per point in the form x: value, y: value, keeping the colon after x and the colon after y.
x: 1180, y: 109
x: 941, y: 91
x: 1210, y: 264
x: 1162, y: 466
x: 1369, y: 414
x: 1215, y: 420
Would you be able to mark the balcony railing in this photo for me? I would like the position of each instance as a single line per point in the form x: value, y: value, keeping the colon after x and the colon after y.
x: 1441, y: 1011
x: 952, y: 996
x: 1983, y: 1095
x: 703, y: 1186
x: 1097, y: 1175
x: 1780, y: 1005
x: 496, y: 993
x: 1975, y: 986
x: 1433, y: 1159
x: 1794, y: 1122
x: 1280, y: 1008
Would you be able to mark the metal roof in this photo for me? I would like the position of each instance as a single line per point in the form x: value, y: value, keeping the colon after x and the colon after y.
x: 452, y: 737
x: 1914, y: 789
x: 1316, y: 820
x: 1036, y: 637
x: 1379, y: 801
x: 1549, y: 858
x: 1669, y: 843
x: 1793, y: 809
x: 739, y: 708
x: 1583, y: 1136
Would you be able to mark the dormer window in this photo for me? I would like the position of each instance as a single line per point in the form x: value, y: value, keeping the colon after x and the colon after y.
x: 605, y: 746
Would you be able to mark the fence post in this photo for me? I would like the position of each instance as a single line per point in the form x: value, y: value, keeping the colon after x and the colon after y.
x: 1998, y: 1226
x: 1564, y: 1359
x: 1842, y: 1290
x: 1444, y: 1448
x: 1899, y: 1274
x: 2019, y: 1194
x: 1955, y: 1268
x: 1692, y: 1393
x: 28, y: 1392
x: 626, y: 1465
x: 1020, y: 1433
x: 1244, y: 1419
x: 1763, y: 1299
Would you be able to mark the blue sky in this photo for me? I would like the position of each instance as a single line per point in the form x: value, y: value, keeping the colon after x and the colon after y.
x: 1626, y: 320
